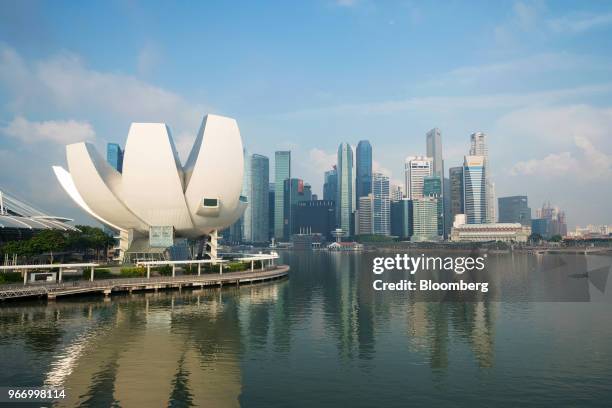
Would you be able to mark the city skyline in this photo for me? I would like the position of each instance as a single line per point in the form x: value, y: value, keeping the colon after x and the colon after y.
x: 537, y: 83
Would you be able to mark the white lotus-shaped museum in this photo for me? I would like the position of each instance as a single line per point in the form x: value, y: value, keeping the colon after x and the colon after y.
x: 154, y: 189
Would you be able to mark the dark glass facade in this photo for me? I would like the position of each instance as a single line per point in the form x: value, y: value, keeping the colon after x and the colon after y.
x: 363, y: 181
x: 315, y: 217
x: 401, y: 218
x: 514, y: 209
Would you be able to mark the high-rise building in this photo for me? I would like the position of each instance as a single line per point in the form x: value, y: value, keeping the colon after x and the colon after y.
x: 344, y: 202
x: 255, y: 227
x: 478, y: 147
x: 396, y: 192
x: 363, y: 180
x: 330, y: 185
x: 432, y: 187
x: 514, y: 209
x: 315, y: 217
x: 401, y: 218
x: 474, y: 189
x: 424, y: 219
x: 282, y: 172
x: 455, y: 175
x: 271, y: 190
x: 491, y: 201
x: 114, y: 156
x: 381, y: 209
x: 307, y: 192
x: 549, y: 221
x: 293, y: 193
x: 434, y: 150
x: 446, y: 198
x: 416, y: 169
x: 365, y: 215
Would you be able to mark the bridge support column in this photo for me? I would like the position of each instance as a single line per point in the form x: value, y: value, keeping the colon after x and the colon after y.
x: 92, y: 274
x: 252, y: 265
x: 25, y: 276
x: 199, y: 269
x: 173, y: 270
x: 59, y: 277
x: 220, y: 269
x: 148, y: 271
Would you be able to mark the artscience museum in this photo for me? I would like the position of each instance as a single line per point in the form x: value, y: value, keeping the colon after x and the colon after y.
x: 157, y: 204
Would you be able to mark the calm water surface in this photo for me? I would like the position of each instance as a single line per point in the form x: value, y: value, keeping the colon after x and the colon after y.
x: 324, y: 337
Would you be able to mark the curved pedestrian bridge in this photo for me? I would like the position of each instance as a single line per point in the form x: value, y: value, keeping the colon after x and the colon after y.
x: 108, y: 286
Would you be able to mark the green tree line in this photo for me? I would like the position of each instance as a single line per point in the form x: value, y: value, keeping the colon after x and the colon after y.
x: 50, y: 241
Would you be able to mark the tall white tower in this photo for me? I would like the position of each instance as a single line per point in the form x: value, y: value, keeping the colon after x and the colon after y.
x: 416, y: 169
x: 478, y: 147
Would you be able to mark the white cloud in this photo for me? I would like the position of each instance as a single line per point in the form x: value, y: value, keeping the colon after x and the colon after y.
x: 588, y: 163
x: 321, y: 160
x: 65, y: 85
x: 444, y: 104
x: 557, y: 126
x: 378, y: 168
x: 57, y: 131
x: 579, y: 23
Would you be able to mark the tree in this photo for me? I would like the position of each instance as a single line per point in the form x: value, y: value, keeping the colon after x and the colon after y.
x: 535, y: 238
x: 556, y: 238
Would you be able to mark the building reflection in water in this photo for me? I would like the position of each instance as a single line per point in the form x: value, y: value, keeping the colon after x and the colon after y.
x: 210, y: 347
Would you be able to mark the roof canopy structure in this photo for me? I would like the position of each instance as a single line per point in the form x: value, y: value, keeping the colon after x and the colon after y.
x: 154, y: 189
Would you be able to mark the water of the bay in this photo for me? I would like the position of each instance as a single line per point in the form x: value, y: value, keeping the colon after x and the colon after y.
x: 324, y: 337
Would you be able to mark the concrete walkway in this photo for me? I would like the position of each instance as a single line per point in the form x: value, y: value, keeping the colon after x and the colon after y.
x: 108, y: 286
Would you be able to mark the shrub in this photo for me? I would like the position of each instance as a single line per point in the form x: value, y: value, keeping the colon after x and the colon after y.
x: 99, y: 273
x: 10, y: 277
x: 133, y: 272
x: 164, y: 270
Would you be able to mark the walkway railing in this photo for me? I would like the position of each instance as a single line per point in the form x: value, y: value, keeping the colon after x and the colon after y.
x: 108, y: 285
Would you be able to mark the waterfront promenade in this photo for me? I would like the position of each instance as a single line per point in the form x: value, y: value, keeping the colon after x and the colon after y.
x: 108, y: 286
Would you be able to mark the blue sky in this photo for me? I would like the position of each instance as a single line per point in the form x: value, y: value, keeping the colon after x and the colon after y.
x: 535, y: 76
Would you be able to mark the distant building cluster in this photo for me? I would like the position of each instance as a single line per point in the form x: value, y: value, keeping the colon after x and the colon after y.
x: 429, y: 206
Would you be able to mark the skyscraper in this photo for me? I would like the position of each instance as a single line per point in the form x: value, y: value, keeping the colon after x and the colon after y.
x: 363, y: 181
x: 396, y: 192
x: 401, y: 218
x: 307, y: 192
x: 474, y: 189
x: 434, y: 150
x: 282, y: 172
x: 330, y: 185
x: 293, y: 189
x: 365, y: 215
x: 514, y: 209
x: 432, y: 187
x: 344, y: 202
x: 315, y: 216
x: 114, y: 156
x: 416, y: 169
x: 424, y: 216
x: 478, y: 147
x: 271, y: 196
x: 256, y: 215
x: 381, y: 208
x: 491, y: 201
x: 455, y: 175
